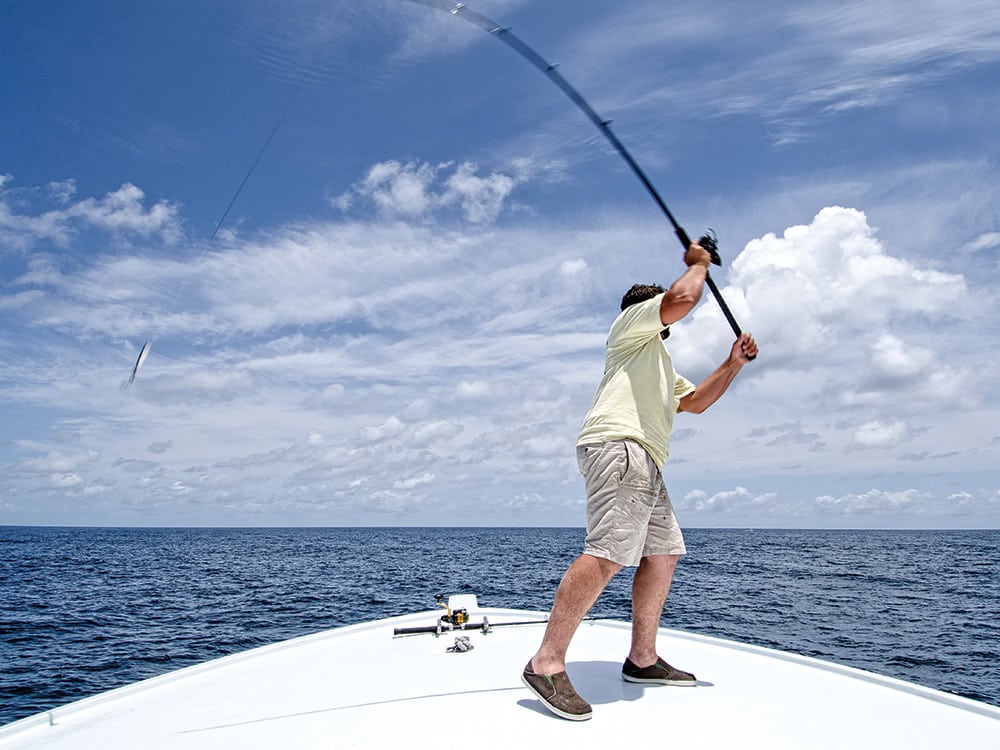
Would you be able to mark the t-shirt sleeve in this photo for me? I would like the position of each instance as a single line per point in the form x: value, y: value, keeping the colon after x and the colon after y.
x: 682, y: 387
x: 636, y: 324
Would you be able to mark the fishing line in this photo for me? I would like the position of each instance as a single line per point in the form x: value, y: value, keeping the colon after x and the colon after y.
x: 144, y: 352
x: 508, y: 37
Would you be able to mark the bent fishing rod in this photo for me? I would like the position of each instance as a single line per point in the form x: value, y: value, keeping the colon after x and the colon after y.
x: 504, y: 34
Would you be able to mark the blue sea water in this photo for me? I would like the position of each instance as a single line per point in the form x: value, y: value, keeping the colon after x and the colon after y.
x: 86, y: 610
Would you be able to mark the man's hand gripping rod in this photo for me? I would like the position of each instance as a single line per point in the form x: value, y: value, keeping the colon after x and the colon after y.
x: 709, y: 241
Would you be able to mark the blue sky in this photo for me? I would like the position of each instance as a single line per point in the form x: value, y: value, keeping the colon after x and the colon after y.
x: 402, y: 319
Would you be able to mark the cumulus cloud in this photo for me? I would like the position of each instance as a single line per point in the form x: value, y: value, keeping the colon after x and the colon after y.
x: 872, y: 502
x: 391, y: 428
x: 879, y: 434
x: 891, y: 357
x: 835, y: 271
x: 828, y: 295
x: 481, y: 198
x: 739, y: 499
x: 122, y: 211
x: 419, y: 190
x: 980, y: 502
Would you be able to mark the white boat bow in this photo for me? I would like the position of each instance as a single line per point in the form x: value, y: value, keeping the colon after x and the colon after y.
x: 363, y: 686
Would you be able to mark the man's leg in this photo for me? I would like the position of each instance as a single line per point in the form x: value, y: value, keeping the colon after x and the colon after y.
x: 580, y: 586
x: 649, y: 593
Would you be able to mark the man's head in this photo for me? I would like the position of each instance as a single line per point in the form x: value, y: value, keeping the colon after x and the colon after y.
x: 640, y: 293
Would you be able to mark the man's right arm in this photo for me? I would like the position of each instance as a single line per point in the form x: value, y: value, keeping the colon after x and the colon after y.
x: 684, y: 293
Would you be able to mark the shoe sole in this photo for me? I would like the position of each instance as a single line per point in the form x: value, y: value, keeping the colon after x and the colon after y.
x: 557, y: 711
x: 645, y: 681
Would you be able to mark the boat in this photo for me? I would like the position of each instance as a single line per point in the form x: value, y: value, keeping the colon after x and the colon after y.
x: 452, y: 679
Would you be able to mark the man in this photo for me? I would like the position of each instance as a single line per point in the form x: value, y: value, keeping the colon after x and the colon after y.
x: 630, y: 522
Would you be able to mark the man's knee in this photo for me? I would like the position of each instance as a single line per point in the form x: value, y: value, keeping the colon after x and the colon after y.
x: 607, y: 568
x: 667, y: 562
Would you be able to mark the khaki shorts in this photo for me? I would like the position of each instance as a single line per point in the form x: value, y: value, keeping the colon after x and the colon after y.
x: 629, y: 514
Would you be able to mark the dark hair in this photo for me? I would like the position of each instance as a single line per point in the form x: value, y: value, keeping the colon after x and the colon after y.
x: 640, y: 293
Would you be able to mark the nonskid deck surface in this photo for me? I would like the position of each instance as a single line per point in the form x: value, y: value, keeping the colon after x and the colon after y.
x: 359, y: 686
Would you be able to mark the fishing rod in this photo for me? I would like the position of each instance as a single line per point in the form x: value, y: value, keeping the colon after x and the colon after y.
x: 458, y: 620
x: 443, y: 626
x: 504, y: 34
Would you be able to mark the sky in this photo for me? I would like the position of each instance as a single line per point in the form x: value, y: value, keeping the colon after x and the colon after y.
x: 377, y: 254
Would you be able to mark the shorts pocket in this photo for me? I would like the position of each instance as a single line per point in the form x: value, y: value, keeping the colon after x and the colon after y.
x: 603, y: 462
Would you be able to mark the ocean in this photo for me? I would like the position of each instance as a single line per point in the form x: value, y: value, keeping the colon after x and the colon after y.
x: 83, y: 610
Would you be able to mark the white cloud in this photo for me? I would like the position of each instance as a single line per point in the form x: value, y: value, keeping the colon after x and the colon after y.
x: 391, y: 428
x: 739, y: 499
x: 120, y: 211
x: 124, y: 210
x: 573, y: 268
x: 824, y: 288
x: 986, y: 241
x: 891, y: 357
x: 412, y: 482
x: 876, y: 502
x: 880, y: 434
x: 473, y: 389
x: 481, y: 198
x: 63, y: 191
x: 20, y: 299
x: 64, y: 462
x: 97, y: 489
x: 979, y: 503
x: 401, y: 188
x: 874, y: 508
x: 419, y: 190
x: 65, y: 481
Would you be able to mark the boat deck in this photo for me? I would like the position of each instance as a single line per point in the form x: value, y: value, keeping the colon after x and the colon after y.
x: 359, y: 686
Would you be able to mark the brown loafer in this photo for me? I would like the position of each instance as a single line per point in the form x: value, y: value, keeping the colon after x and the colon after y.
x: 556, y: 693
x: 659, y: 673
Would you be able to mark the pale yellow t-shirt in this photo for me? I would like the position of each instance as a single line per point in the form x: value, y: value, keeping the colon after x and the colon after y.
x: 640, y: 392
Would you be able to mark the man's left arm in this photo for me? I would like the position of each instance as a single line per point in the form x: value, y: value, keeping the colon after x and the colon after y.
x: 712, y: 387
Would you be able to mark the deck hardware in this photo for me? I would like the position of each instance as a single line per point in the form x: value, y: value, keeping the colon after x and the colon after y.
x: 462, y: 644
